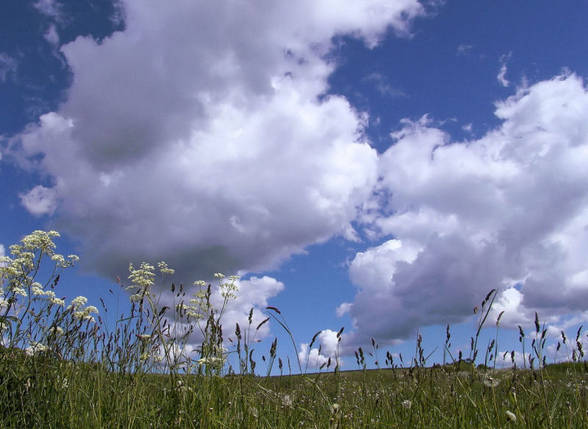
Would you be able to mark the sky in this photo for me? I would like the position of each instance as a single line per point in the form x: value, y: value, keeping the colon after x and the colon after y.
x: 378, y: 165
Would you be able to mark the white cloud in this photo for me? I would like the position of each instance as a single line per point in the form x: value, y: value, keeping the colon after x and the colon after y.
x: 314, y: 358
x: 253, y: 293
x: 52, y: 36
x: 507, y: 211
x: 201, y: 141
x: 50, y: 8
x: 40, y: 200
x: 118, y: 15
x: 343, y: 309
x: 464, y: 49
x: 8, y: 66
x: 501, y: 76
x: 2, y: 250
x: 383, y: 86
x: 508, y: 359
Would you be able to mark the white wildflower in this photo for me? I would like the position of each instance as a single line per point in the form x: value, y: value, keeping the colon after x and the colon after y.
x: 142, y: 277
x: 286, y: 401
x: 164, y: 269
x: 491, y: 382
x: 19, y: 291
x: 511, y: 416
x: 57, y: 330
x: 78, y: 302
x: 59, y: 260
x: 253, y: 411
x: 407, y: 403
x: 57, y: 301
x: 35, y: 348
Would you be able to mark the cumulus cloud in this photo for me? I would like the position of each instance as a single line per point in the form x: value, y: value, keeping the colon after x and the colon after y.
x: 313, y: 358
x: 251, y: 294
x: 40, y: 200
x: 507, y: 211
x: 199, y: 140
x: 510, y: 358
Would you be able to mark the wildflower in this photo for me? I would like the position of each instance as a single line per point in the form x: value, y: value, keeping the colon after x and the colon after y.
x: 286, y: 401
x: 64, y: 383
x: 335, y: 408
x: 407, y: 403
x: 219, y: 276
x: 229, y: 289
x: 136, y: 297
x: 37, y: 289
x: 57, y: 330
x: 164, y: 269
x: 57, y: 301
x: 82, y: 313
x: 59, y: 260
x: 491, y: 382
x: 142, y: 277
x: 144, y: 337
x: 35, y: 348
x: 511, y: 416
x: 17, y: 290
x: 78, y: 302
x: 91, y: 309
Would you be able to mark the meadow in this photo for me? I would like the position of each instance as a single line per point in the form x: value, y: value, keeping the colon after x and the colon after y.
x: 62, y: 366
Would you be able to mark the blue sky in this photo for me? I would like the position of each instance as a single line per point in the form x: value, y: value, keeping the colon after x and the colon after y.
x: 378, y: 165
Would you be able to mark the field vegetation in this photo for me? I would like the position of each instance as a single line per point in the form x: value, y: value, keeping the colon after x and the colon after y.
x: 62, y: 366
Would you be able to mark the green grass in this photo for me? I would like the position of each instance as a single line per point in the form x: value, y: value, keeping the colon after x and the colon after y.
x: 39, y: 391
x: 61, y: 368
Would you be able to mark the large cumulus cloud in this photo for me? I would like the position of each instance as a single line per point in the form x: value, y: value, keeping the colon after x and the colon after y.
x: 201, y: 134
x: 506, y: 211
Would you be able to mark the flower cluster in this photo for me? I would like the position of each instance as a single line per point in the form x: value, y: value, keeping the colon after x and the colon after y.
x: 143, y: 278
x: 18, y: 271
x: 81, y: 312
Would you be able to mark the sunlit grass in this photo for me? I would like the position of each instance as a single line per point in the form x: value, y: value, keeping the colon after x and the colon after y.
x: 61, y: 366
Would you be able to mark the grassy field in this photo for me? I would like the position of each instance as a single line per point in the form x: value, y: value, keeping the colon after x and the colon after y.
x: 62, y: 367
x: 44, y: 392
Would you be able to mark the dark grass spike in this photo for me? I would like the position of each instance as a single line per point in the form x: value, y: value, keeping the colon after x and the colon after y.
x: 314, y: 337
x: 263, y: 322
x: 499, y: 317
